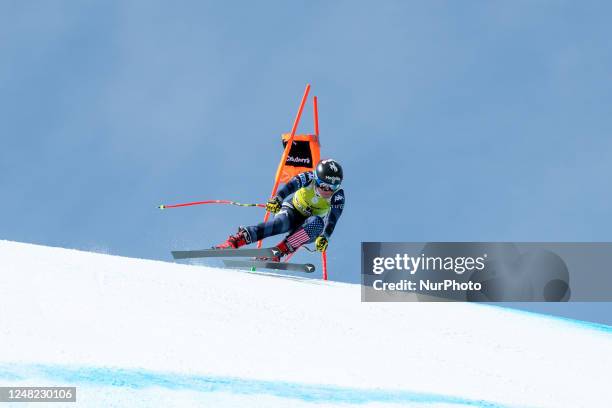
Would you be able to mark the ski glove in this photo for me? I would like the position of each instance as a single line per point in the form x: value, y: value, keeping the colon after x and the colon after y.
x: 274, y: 204
x: 321, y: 243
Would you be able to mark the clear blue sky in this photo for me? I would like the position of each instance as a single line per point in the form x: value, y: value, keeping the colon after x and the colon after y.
x: 473, y: 120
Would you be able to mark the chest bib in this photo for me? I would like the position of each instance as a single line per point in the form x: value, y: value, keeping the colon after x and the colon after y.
x: 308, y: 203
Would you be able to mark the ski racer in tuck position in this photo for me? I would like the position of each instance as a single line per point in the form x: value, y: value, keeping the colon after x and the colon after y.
x: 310, y: 215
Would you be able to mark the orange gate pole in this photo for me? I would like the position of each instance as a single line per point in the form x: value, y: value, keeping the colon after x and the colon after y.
x: 286, y: 151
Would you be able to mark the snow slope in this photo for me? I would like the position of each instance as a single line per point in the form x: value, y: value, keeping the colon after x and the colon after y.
x: 133, y: 332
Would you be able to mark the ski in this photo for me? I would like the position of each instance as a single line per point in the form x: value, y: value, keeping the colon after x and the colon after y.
x: 282, y: 266
x: 216, y: 253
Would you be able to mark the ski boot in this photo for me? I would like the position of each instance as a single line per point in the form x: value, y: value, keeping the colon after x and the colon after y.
x: 283, y: 248
x: 241, y: 238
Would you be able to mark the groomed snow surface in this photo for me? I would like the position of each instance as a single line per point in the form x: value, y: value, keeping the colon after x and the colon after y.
x: 132, y: 332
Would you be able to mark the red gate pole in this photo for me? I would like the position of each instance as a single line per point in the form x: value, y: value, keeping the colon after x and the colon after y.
x: 324, y: 262
x: 316, y: 129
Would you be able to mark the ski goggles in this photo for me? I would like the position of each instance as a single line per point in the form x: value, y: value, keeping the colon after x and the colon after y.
x: 326, y: 186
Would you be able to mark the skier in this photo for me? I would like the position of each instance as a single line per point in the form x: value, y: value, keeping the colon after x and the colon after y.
x: 310, y: 215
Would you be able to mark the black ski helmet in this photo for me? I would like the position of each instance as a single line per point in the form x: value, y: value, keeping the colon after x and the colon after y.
x: 328, y: 171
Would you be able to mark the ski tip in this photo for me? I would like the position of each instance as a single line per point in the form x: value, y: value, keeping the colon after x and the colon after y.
x: 161, y: 207
x: 179, y: 255
x: 309, y: 268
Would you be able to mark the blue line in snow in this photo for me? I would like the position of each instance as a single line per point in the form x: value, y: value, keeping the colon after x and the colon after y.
x: 140, y: 379
x: 579, y: 323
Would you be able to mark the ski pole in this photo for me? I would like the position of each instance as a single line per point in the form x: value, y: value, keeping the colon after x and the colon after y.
x: 323, y: 259
x: 164, y: 206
